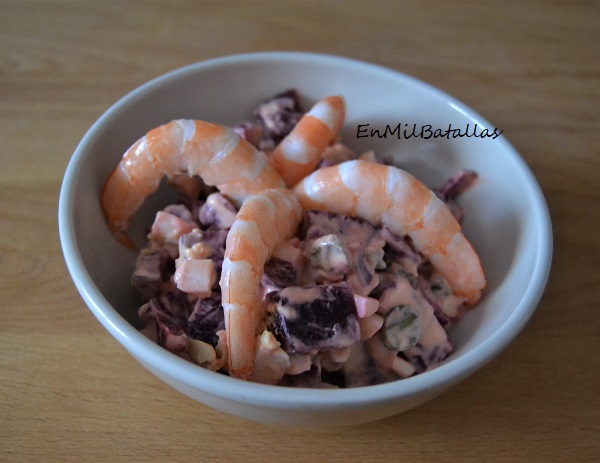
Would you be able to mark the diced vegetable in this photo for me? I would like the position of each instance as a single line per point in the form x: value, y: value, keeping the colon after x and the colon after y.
x: 204, y: 244
x: 167, y: 228
x: 402, y: 328
x: 152, y: 270
x: 317, y: 318
x: 207, y: 319
x: 370, y: 325
x: 217, y: 212
x: 327, y: 253
x: 278, y: 116
x: 196, y: 276
x: 165, y: 318
x: 279, y: 274
x: 365, y: 306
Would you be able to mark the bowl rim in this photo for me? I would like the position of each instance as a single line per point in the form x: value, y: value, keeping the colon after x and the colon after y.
x: 219, y: 385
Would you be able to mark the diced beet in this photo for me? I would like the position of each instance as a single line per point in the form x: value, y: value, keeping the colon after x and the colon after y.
x: 454, y: 187
x: 279, y: 274
x: 399, y: 250
x: 206, y: 319
x: 424, y: 359
x: 169, y: 314
x: 278, y: 116
x: 152, y: 270
x: 216, y: 240
x: 317, y: 318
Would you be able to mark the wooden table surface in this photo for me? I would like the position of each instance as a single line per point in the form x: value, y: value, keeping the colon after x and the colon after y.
x: 69, y: 392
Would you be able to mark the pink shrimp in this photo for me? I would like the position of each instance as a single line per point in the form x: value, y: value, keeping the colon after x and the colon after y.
x: 386, y: 195
x: 263, y: 221
x: 298, y: 154
x: 213, y: 152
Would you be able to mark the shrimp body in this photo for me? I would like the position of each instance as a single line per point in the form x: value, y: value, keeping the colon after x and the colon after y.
x: 299, y: 152
x: 213, y: 152
x: 386, y: 195
x: 263, y: 221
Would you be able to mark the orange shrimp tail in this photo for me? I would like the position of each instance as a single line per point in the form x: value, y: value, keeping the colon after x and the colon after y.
x: 117, y: 199
x: 298, y: 154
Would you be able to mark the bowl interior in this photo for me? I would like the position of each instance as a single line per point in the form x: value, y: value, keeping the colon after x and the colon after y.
x: 506, y: 216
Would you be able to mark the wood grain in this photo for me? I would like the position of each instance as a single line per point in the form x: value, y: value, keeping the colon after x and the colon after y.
x: 69, y: 392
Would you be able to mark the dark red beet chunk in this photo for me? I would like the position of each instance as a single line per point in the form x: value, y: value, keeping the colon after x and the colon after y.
x: 422, y: 359
x: 206, y: 319
x: 279, y: 115
x: 169, y: 314
x: 398, y: 249
x: 453, y: 188
x: 279, y: 274
x: 152, y: 270
x: 317, y: 318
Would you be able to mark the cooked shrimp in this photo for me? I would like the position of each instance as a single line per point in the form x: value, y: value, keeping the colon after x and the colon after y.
x: 263, y: 221
x: 298, y: 154
x: 215, y: 153
x: 386, y: 195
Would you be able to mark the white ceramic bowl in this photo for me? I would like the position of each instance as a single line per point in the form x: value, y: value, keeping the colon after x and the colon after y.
x: 506, y: 220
